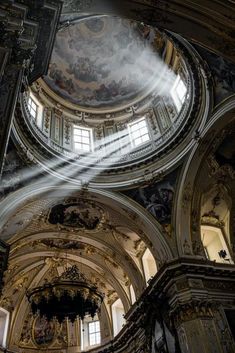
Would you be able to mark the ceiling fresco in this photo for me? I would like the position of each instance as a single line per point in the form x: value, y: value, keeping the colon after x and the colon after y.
x: 76, y: 214
x: 105, y: 61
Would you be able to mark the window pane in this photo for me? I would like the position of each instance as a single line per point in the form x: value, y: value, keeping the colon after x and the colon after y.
x: 92, y: 339
x: 136, y: 134
x: 144, y: 130
x: 97, y: 326
x: 78, y: 146
x: 178, y: 92
x: 85, y: 133
x: 181, y: 90
x: 77, y: 138
x: 97, y: 336
x: 77, y: 132
x: 94, y: 333
x: 134, y: 127
x: 32, y: 106
x: 91, y: 327
x: 142, y: 123
x: 145, y: 138
x: 139, y: 132
x: 86, y: 140
x: 138, y: 141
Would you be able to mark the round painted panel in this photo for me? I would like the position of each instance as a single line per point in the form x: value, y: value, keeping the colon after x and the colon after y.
x: 105, y: 61
x: 43, y: 331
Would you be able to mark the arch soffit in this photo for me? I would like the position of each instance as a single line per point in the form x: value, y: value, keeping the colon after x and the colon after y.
x: 221, y: 117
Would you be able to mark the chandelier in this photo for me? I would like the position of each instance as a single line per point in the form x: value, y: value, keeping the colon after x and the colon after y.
x: 68, y: 296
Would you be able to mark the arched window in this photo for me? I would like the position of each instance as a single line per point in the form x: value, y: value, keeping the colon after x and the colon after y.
x: 132, y: 294
x: 214, y: 244
x: 4, y: 324
x: 118, y: 316
x: 149, y: 265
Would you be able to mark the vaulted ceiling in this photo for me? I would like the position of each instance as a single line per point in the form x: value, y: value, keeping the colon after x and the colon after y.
x: 48, y: 234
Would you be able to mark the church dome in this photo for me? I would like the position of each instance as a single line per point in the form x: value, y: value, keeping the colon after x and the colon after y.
x: 120, y: 96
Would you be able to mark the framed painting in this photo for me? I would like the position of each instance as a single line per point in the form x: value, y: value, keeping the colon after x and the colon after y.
x: 43, y: 331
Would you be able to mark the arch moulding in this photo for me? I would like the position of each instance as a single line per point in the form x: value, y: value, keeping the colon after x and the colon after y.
x: 183, y: 218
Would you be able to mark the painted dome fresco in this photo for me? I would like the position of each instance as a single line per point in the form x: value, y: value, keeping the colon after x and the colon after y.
x: 105, y: 61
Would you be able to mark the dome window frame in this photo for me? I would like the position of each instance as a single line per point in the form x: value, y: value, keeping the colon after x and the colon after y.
x: 179, y: 92
x: 32, y: 107
x: 139, y: 132
x: 85, y: 138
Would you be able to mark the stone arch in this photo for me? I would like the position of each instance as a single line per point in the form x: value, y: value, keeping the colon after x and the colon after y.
x: 148, y: 226
x: 188, y: 210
